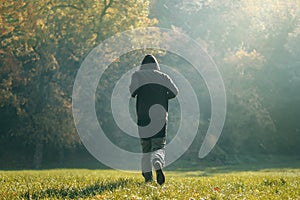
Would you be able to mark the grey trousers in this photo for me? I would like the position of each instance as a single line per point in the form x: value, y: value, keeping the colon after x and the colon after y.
x: 153, y: 151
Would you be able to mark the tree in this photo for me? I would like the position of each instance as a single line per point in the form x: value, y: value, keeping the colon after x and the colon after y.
x: 255, y: 46
x: 49, y: 39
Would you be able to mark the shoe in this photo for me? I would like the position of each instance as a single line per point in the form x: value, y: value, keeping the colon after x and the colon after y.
x: 160, y: 177
x: 147, y: 176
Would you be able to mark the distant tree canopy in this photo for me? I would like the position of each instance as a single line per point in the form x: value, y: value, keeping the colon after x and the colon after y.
x: 256, y: 45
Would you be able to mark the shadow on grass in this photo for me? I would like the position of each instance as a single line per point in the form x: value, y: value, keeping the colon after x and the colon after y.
x: 76, y: 193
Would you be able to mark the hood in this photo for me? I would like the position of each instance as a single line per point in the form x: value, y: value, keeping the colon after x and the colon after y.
x: 150, y: 62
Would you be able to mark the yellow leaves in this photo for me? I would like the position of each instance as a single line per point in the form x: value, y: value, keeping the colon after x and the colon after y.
x: 63, y: 13
x: 20, y: 17
x: 293, y: 42
x: 20, y: 111
x: 15, y: 38
x: 243, y: 59
x: 7, y: 83
x: 94, y: 36
x: 6, y: 30
x: 40, y: 23
x: 67, y: 104
x: 270, y: 13
x: 51, y: 12
x: 22, y: 4
x: 52, y: 36
x: 55, y: 21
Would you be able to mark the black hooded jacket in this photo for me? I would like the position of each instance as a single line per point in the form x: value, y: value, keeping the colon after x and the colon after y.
x: 151, y: 86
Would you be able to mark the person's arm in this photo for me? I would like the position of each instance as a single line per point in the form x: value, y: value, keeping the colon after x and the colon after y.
x: 133, y: 88
x: 172, y: 90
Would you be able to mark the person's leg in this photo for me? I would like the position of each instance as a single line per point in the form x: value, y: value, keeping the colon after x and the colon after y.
x: 158, y: 157
x: 146, y: 160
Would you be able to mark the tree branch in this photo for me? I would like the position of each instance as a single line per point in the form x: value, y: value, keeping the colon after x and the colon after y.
x: 105, y: 8
x: 106, y: 5
x: 67, y: 6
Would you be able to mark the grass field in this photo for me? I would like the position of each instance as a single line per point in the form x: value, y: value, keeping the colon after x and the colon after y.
x: 211, y: 183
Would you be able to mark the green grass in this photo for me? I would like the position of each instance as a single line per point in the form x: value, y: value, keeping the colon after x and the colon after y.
x: 211, y: 183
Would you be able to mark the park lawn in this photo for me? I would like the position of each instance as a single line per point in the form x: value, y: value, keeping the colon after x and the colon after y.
x: 211, y: 183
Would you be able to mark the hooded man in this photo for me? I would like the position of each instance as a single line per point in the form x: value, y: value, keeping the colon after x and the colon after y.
x: 152, y: 89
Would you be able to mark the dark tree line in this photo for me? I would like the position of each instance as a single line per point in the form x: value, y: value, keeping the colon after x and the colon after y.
x: 255, y: 45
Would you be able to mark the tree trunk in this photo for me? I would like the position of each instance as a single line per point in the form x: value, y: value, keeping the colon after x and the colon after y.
x: 38, y: 155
